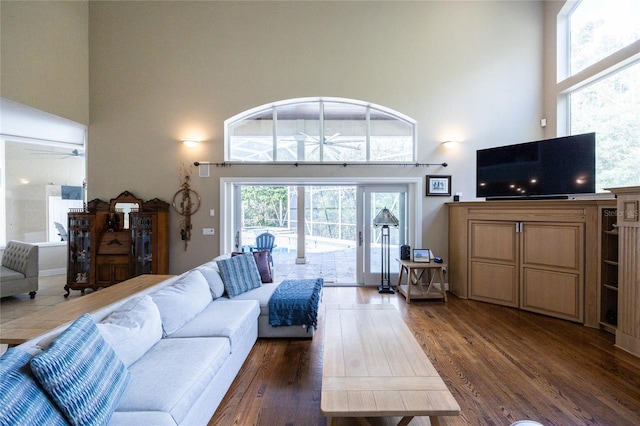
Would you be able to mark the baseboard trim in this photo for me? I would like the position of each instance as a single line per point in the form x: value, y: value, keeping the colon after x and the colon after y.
x: 51, y: 272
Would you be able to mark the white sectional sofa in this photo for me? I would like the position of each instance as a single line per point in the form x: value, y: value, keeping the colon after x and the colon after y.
x: 174, y: 348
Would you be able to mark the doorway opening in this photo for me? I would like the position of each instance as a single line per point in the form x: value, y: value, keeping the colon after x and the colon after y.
x: 322, y: 229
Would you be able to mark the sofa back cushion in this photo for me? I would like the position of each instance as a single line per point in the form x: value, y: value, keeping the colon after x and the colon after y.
x: 239, y: 274
x: 133, y: 328
x: 22, y: 399
x: 82, y: 374
x: 212, y: 275
x: 180, y: 302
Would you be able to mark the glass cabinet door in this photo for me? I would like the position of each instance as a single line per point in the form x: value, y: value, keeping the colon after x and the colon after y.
x: 80, y: 237
x: 141, y: 226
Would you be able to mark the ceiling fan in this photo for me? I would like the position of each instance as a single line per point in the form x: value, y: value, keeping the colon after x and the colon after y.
x: 74, y: 153
x: 329, y: 141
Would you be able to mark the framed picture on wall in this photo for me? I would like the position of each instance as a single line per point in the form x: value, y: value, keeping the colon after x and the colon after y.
x: 439, y: 185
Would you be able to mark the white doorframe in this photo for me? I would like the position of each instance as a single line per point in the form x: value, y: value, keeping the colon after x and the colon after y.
x: 229, y: 193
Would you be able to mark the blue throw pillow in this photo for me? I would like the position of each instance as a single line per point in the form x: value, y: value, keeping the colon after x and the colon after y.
x: 82, y: 374
x: 22, y: 400
x: 239, y: 274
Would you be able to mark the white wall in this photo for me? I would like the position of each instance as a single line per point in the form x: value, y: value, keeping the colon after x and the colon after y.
x: 45, y: 56
x: 166, y: 71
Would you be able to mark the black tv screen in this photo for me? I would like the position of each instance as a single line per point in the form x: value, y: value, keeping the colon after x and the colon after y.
x: 551, y: 167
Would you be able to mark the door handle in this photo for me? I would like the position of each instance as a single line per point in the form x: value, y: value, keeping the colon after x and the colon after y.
x: 360, y: 238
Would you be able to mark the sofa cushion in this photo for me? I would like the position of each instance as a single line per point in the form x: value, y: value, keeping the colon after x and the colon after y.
x: 22, y: 400
x: 262, y: 262
x: 179, y: 370
x: 231, y: 319
x: 212, y: 275
x: 82, y: 374
x: 262, y: 295
x: 239, y: 274
x: 133, y: 328
x: 180, y: 302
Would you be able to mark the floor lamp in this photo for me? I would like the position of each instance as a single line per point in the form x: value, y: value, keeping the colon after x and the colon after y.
x: 383, y: 220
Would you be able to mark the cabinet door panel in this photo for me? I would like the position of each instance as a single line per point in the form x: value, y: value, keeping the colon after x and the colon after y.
x: 494, y: 283
x: 553, y: 245
x: 493, y: 240
x: 558, y: 294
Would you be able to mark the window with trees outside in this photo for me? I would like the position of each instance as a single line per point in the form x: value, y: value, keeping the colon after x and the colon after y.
x: 320, y: 130
x: 601, y: 73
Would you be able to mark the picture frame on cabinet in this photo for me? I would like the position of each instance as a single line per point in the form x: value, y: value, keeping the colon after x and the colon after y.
x: 421, y: 255
x: 438, y: 185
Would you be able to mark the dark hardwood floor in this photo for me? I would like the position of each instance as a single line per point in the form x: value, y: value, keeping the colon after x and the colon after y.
x: 501, y: 364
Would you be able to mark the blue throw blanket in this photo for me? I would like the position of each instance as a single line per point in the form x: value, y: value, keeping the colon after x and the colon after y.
x: 295, y: 302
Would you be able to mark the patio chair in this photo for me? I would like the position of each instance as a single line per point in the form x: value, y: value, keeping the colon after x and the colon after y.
x: 265, y: 241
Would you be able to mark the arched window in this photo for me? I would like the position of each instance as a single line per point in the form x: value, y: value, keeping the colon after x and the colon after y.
x: 320, y: 130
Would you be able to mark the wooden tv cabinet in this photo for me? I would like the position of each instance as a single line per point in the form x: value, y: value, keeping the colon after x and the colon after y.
x: 539, y: 255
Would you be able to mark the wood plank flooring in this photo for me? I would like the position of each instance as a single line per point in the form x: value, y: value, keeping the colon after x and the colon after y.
x: 501, y: 364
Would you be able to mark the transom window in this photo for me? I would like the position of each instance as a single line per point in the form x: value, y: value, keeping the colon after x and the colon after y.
x: 599, y: 87
x: 320, y: 130
x: 599, y: 28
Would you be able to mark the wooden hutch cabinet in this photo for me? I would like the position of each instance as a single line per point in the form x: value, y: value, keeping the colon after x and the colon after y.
x: 112, y: 242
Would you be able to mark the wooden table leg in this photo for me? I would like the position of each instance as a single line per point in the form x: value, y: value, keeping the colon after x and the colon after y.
x: 434, y: 420
x: 405, y: 421
x: 442, y: 289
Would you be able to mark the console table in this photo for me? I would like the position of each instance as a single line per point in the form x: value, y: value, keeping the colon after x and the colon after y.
x: 415, y: 288
x: 25, y: 328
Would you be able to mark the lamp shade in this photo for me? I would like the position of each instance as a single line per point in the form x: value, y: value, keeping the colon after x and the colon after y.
x: 385, y: 218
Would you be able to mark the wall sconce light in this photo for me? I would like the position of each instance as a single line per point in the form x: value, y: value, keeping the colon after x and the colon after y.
x: 190, y: 143
x: 450, y: 143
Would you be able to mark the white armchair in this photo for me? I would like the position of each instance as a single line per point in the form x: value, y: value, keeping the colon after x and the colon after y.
x: 19, y: 272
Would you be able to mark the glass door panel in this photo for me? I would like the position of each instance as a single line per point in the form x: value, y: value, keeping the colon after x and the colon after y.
x: 375, y: 199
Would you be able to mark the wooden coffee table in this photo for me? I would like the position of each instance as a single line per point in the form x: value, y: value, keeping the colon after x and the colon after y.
x: 374, y: 367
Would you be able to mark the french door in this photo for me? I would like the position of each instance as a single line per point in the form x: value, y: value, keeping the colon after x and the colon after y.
x: 374, y: 199
x: 303, y: 229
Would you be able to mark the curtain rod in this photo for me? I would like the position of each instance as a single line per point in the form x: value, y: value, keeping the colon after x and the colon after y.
x: 296, y: 164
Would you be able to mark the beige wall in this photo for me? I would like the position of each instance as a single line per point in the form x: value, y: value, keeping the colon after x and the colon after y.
x: 45, y: 56
x: 165, y: 71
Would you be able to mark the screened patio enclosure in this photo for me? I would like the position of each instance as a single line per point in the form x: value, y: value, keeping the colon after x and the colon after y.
x: 331, y: 238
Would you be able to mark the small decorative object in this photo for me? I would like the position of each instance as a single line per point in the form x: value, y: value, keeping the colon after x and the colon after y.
x: 405, y: 252
x: 184, y: 204
x: 438, y: 185
x: 422, y: 255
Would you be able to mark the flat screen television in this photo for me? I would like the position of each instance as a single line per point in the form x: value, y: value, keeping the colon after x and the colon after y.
x: 551, y: 168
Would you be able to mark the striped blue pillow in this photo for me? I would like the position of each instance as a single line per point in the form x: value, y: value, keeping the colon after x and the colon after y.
x: 22, y: 400
x: 82, y: 374
x: 239, y: 274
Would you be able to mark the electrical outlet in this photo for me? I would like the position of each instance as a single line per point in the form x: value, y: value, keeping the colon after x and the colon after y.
x: 208, y: 231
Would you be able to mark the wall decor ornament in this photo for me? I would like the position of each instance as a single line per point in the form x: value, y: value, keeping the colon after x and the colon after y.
x: 186, y: 202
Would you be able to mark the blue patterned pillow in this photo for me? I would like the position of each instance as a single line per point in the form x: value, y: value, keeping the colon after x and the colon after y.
x: 22, y: 400
x: 82, y: 374
x: 239, y: 274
